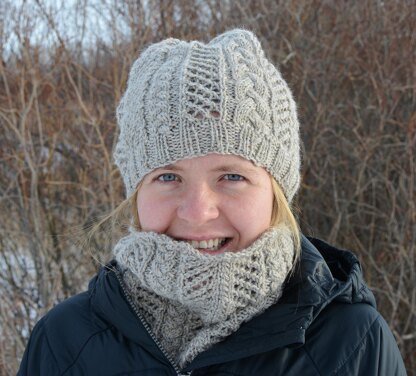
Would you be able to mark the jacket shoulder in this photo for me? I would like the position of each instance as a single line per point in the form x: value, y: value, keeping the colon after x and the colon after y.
x: 38, y: 358
x: 59, y: 337
x: 70, y: 325
x: 353, y: 339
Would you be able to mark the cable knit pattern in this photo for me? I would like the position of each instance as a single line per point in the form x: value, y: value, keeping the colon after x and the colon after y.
x: 192, y: 300
x: 187, y: 99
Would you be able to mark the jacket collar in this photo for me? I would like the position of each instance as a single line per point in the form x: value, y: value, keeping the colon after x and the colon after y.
x: 110, y: 302
x: 323, y: 275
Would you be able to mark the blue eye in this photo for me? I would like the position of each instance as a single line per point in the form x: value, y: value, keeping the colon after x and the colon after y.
x: 234, y: 177
x: 167, y: 177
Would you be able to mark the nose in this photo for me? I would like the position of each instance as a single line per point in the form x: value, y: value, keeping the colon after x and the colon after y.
x: 199, y: 204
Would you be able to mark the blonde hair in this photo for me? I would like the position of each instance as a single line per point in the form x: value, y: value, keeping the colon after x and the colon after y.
x: 126, y: 214
x: 282, y: 213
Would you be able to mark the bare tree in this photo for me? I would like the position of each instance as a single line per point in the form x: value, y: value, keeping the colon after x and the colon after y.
x: 62, y: 73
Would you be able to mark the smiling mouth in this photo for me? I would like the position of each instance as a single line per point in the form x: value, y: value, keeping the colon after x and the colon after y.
x: 209, y: 245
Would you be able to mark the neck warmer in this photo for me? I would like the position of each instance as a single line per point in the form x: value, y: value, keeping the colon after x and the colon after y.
x: 192, y: 300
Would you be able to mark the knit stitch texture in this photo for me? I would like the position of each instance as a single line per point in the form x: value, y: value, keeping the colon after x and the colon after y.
x: 192, y: 300
x: 187, y: 99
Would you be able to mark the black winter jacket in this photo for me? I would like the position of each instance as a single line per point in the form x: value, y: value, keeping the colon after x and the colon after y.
x: 325, y: 324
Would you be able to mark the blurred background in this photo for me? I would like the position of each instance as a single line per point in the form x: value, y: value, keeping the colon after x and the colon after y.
x: 63, y: 68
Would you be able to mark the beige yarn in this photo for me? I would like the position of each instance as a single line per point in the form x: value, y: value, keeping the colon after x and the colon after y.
x: 193, y: 300
x: 187, y: 99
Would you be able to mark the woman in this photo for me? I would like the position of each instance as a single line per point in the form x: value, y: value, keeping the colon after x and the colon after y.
x: 214, y: 277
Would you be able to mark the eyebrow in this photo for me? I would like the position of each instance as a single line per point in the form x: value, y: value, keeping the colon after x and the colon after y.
x: 169, y: 167
x: 223, y: 168
x: 235, y: 168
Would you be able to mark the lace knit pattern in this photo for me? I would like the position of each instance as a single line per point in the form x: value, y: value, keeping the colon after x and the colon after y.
x: 193, y: 300
x: 187, y: 99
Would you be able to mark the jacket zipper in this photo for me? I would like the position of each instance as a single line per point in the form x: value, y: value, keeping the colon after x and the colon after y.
x: 147, y: 327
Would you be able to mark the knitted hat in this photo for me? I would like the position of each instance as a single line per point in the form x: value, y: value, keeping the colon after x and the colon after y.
x: 188, y: 99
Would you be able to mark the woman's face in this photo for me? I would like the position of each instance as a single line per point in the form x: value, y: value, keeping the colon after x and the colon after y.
x: 217, y: 203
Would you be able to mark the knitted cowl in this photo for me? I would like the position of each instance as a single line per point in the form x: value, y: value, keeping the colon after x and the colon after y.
x: 192, y: 300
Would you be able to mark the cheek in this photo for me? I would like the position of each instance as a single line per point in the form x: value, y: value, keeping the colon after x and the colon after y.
x: 154, y: 215
x: 252, y: 215
x: 259, y: 214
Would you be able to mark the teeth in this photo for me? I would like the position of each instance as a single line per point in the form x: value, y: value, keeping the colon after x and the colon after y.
x: 211, y: 244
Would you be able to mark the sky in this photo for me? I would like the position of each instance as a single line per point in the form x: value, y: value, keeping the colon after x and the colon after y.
x: 78, y: 21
